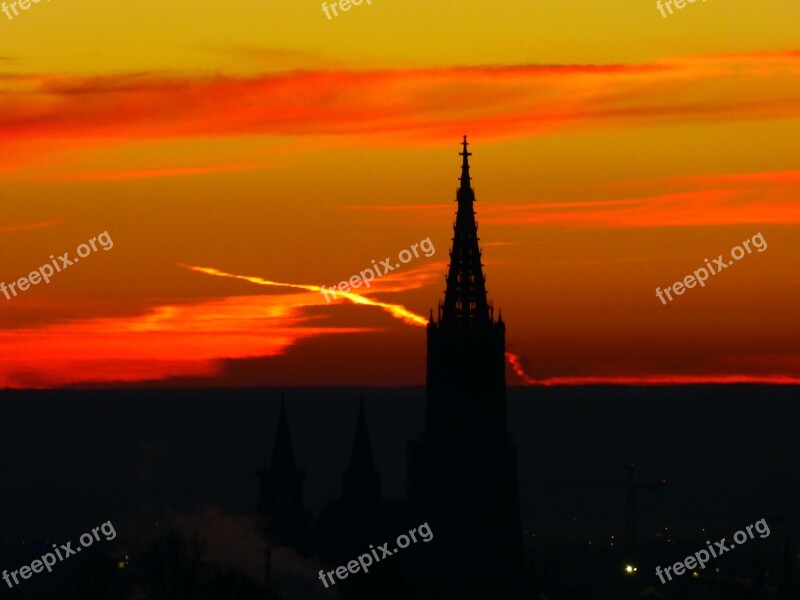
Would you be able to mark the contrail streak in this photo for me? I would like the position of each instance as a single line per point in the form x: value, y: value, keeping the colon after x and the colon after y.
x: 398, y: 311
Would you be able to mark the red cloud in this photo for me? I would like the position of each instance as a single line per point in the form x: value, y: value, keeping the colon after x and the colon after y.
x: 169, y: 341
x: 427, y: 104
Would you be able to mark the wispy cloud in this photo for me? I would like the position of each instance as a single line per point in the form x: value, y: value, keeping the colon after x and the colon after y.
x: 142, y: 173
x: 27, y: 226
x: 684, y: 209
x: 420, y: 104
x: 703, y: 200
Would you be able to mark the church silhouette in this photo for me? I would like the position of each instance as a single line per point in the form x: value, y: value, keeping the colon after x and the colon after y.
x: 462, y: 470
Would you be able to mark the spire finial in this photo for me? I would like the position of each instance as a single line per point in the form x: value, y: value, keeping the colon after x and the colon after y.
x: 465, y: 153
x: 465, y: 178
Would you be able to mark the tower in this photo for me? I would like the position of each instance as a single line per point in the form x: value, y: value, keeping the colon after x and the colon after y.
x: 281, y: 499
x: 362, y: 482
x: 466, y: 384
x: 463, y: 468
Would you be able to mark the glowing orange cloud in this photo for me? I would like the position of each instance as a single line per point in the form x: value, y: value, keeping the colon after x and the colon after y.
x: 127, y: 174
x: 168, y: 341
x: 516, y: 366
x: 505, y: 101
x: 757, y: 198
x: 672, y: 380
x: 739, y: 180
x: 180, y: 340
x: 696, y: 208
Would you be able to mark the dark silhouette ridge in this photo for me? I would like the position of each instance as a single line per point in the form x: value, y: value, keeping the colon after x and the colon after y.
x: 731, y: 452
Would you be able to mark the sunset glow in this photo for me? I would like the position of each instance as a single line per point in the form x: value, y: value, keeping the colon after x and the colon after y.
x: 274, y: 146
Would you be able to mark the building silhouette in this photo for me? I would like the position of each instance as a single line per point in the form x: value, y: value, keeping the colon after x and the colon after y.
x: 281, y: 498
x: 462, y: 470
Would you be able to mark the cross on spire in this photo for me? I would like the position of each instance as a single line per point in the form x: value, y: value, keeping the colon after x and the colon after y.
x: 465, y: 178
x: 465, y: 154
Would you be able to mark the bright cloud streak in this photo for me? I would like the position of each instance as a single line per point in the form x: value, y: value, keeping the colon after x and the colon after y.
x: 396, y: 310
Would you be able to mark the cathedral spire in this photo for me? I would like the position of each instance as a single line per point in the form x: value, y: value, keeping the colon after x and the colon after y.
x: 465, y: 303
x: 464, y: 460
x: 281, y: 498
x: 362, y: 448
x: 361, y: 480
x: 282, y: 453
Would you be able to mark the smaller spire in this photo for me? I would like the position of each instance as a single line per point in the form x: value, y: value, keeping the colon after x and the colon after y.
x: 362, y: 448
x: 282, y: 453
x: 281, y: 497
x: 361, y: 480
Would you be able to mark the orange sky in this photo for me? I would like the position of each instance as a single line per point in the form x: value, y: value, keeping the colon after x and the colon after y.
x: 227, y: 150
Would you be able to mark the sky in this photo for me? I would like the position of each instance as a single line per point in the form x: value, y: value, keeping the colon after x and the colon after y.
x: 228, y: 159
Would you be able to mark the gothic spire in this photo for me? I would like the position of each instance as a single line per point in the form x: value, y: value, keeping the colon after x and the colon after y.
x: 282, y: 453
x: 465, y: 303
x: 281, y: 497
x: 361, y: 480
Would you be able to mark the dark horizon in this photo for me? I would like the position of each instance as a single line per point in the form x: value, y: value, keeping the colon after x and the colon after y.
x: 720, y: 426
